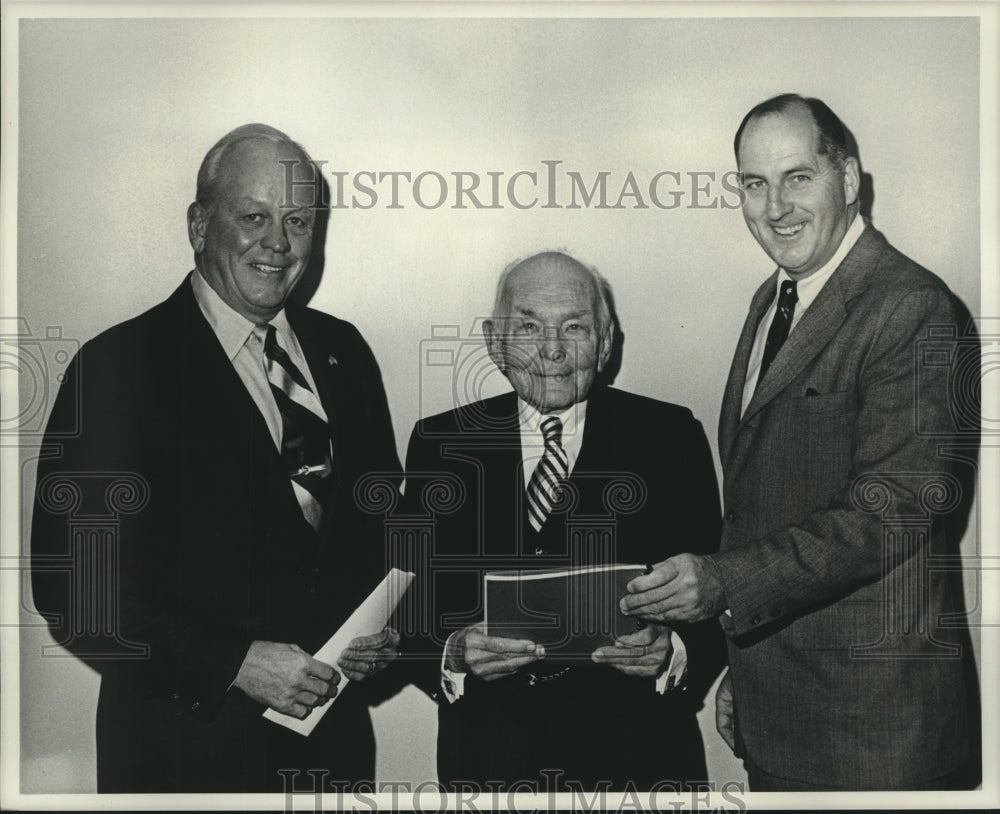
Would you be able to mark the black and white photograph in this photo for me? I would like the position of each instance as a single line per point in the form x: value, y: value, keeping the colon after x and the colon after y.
x: 499, y: 406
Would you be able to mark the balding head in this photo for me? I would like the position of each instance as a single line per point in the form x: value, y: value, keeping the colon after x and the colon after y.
x: 252, y: 245
x: 551, y: 330
x: 831, y: 135
x: 215, y: 160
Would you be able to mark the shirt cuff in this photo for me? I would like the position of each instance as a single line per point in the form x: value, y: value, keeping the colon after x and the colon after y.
x: 671, y: 677
x: 452, y: 683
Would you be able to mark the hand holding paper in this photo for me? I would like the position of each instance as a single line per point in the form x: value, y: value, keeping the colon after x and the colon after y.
x: 368, y: 655
x: 684, y: 588
x: 491, y: 657
x: 640, y: 654
x: 368, y: 621
x: 286, y: 678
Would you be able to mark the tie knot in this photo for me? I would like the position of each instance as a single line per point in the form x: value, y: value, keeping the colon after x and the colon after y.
x: 552, y: 430
x: 270, y: 338
x: 788, y: 295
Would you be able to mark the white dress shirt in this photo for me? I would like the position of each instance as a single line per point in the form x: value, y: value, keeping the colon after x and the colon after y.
x: 807, y: 290
x: 243, y: 343
x: 532, y: 448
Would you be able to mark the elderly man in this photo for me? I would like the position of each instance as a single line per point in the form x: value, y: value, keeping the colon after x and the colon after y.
x: 843, y: 674
x: 508, y: 718
x: 223, y: 431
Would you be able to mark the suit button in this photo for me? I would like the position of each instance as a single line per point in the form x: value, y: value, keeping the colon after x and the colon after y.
x: 539, y: 551
x: 755, y: 621
x: 775, y: 613
x: 730, y: 516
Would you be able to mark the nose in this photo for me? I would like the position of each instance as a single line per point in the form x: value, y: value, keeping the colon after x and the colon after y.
x: 553, y: 346
x: 275, y: 238
x: 777, y: 206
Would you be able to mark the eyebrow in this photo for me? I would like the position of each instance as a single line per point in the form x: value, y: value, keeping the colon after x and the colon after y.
x: 785, y: 173
x: 285, y: 210
x: 799, y: 169
x: 575, y: 315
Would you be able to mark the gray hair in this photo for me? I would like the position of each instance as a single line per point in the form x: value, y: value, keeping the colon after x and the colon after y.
x: 605, y: 297
x: 208, y: 173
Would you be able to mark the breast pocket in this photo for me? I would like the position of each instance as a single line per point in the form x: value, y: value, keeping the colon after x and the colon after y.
x: 816, y: 436
x: 813, y: 402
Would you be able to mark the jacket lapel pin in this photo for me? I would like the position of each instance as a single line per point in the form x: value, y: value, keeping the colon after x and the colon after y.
x: 332, y: 360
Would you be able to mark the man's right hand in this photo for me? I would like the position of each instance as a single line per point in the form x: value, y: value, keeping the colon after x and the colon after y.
x: 286, y: 678
x: 490, y: 657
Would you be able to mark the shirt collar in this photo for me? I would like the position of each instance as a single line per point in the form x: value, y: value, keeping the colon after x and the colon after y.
x: 807, y: 288
x: 572, y: 419
x: 231, y: 328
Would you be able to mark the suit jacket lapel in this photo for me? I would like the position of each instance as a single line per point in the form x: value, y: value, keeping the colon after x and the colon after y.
x: 821, y: 322
x: 500, y: 503
x: 218, y: 413
x: 732, y: 401
x: 596, y: 435
x: 214, y: 384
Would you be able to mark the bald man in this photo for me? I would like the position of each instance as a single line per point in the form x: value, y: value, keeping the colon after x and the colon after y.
x: 509, y: 717
x: 849, y: 662
x: 221, y: 435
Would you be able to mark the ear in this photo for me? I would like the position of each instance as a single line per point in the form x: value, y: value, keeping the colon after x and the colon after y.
x: 852, y: 180
x: 606, y: 340
x: 494, y: 343
x: 197, y: 224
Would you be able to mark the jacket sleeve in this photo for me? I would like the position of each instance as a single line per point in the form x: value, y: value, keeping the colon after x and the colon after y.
x: 420, y: 649
x: 700, y: 526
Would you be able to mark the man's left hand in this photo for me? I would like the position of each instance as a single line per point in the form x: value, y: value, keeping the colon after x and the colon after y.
x: 367, y: 655
x: 640, y: 654
x: 681, y: 589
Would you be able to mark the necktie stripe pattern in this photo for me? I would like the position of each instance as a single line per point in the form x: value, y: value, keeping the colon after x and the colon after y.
x: 780, y: 325
x: 305, y: 435
x: 551, y: 472
x: 286, y: 378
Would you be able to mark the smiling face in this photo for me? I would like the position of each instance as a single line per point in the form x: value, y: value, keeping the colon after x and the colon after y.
x: 796, y: 201
x: 248, y: 246
x: 551, y: 346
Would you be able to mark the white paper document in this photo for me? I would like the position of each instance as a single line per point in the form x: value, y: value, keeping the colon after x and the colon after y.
x: 370, y: 617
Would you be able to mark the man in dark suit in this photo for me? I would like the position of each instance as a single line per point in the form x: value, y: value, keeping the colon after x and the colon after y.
x: 844, y: 670
x: 563, y: 471
x: 220, y: 436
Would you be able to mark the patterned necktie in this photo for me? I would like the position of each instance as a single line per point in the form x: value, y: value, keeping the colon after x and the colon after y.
x: 305, y: 435
x: 551, y: 471
x: 780, y: 326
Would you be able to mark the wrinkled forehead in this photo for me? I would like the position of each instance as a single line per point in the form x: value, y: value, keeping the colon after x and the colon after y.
x: 551, y: 283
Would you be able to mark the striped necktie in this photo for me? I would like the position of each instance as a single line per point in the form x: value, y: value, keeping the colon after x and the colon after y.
x: 550, y: 473
x: 305, y: 435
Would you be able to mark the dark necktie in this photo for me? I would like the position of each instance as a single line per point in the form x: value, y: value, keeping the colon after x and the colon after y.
x: 305, y: 435
x: 550, y: 473
x: 780, y: 326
